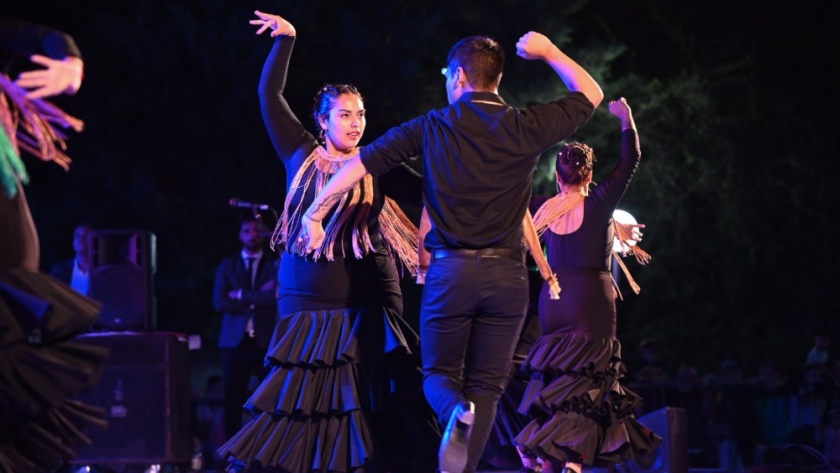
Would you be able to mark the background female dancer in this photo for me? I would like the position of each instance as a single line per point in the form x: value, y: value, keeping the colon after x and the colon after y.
x: 581, y: 414
x: 344, y: 392
x: 40, y: 370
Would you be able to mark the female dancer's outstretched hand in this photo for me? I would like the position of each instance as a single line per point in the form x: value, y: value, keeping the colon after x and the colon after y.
x: 278, y: 25
x: 59, y: 76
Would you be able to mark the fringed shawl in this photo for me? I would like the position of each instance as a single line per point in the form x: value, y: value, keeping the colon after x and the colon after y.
x: 351, y: 215
x: 554, y: 215
x: 31, y: 125
x: 555, y: 211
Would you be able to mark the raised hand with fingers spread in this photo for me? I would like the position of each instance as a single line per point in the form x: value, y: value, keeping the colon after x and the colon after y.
x: 59, y: 76
x: 278, y: 26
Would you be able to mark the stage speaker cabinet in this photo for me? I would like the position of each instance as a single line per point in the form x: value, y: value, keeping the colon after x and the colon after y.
x: 123, y: 264
x: 670, y: 423
x: 145, y: 393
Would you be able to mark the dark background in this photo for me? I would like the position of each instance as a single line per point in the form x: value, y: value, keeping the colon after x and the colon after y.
x: 733, y: 101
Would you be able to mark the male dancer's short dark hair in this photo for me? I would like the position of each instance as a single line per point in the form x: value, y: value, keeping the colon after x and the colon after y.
x: 482, y: 58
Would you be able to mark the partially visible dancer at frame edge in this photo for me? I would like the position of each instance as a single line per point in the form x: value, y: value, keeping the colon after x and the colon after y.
x: 479, y: 156
x: 41, y: 370
x: 345, y: 389
x: 581, y: 414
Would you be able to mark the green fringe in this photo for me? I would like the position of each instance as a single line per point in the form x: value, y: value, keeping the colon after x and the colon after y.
x: 12, y: 169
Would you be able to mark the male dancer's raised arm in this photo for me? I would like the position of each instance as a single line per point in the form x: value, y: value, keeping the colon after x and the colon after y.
x: 535, y: 45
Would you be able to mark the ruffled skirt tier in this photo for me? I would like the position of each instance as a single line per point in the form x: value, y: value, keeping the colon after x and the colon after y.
x: 344, y: 394
x: 580, y: 411
x: 42, y: 370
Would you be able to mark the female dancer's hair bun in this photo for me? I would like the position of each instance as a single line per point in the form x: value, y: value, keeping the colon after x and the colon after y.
x: 575, y: 162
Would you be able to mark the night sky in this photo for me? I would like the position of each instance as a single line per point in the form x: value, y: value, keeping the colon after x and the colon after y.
x: 173, y: 132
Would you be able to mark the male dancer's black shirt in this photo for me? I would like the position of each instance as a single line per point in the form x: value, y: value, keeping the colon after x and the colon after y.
x: 479, y: 156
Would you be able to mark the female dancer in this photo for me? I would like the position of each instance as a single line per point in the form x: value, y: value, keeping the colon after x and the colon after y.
x: 40, y: 370
x: 344, y: 392
x: 581, y: 414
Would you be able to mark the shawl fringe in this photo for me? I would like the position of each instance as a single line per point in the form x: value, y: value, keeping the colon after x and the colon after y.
x: 532, y: 242
x: 555, y: 209
x: 641, y: 255
x: 351, y: 214
x: 37, y: 122
x: 12, y: 169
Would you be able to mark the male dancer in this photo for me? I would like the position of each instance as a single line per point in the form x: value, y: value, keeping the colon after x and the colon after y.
x: 479, y: 156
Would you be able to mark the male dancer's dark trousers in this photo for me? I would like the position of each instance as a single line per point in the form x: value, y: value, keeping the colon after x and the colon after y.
x: 473, y: 306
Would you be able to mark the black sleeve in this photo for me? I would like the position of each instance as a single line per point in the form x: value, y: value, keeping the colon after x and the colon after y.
x: 221, y: 287
x: 20, y: 40
x: 396, y: 146
x: 550, y: 123
x: 404, y: 185
x: 285, y: 130
x: 610, y: 192
x: 262, y: 298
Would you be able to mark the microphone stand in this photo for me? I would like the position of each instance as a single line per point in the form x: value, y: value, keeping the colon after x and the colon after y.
x: 255, y: 210
x: 258, y: 216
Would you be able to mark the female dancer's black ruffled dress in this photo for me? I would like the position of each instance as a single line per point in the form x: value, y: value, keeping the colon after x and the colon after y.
x: 345, y: 391
x: 581, y: 413
x: 41, y: 370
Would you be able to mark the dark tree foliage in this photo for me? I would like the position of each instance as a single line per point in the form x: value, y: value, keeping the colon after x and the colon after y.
x: 732, y: 186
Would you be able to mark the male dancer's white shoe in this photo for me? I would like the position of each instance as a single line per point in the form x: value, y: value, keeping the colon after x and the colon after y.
x: 454, y: 446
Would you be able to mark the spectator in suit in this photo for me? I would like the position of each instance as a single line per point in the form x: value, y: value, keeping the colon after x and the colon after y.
x: 76, y: 272
x: 244, y: 293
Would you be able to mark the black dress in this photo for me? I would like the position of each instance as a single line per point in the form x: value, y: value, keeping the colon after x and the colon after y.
x: 581, y: 413
x: 41, y: 370
x: 345, y: 390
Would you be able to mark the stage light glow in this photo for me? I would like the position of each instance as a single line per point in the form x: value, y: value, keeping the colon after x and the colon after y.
x: 622, y: 216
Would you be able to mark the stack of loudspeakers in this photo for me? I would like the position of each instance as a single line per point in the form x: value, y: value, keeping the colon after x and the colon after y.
x: 145, y: 393
x: 122, y: 278
x: 670, y: 423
